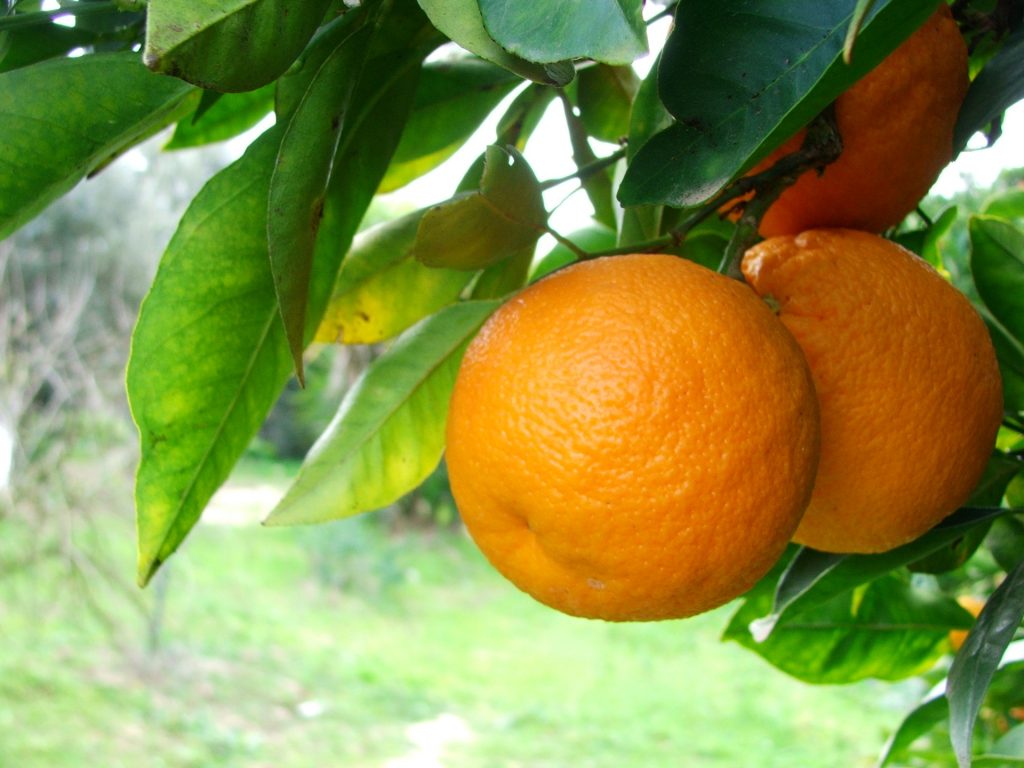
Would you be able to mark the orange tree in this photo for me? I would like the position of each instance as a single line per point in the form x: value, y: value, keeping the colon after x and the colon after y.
x: 370, y: 95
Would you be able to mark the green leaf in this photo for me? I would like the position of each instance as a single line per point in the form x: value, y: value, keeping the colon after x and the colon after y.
x: 605, y: 98
x: 388, y: 434
x: 926, y: 242
x: 504, y: 277
x: 382, y: 290
x: 997, y: 264
x: 641, y: 223
x: 609, y: 31
x: 1008, y: 750
x: 108, y: 102
x: 523, y: 116
x: 460, y: 20
x: 885, y: 630
x: 475, y: 229
x: 299, y: 182
x: 379, y: 109
x: 592, y: 238
x: 228, y: 45
x: 977, y: 660
x: 1008, y: 204
x: 454, y: 97
x: 814, y: 577
x: 999, y: 84
x: 919, y: 722
x: 208, y: 353
x: 733, y: 110
x: 230, y: 115
x: 199, y: 396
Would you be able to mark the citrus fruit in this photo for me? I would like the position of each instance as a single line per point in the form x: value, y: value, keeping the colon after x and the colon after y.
x: 973, y: 606
x: 906, y: 378
x: 632, y: 438
x: 896, y: 125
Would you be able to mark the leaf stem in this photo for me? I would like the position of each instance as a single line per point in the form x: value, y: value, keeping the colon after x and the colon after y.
x: 822, y: 144
x: 586, y: 171
x: 862, y: 9
x: 577, y: 250
x: 669, y: 11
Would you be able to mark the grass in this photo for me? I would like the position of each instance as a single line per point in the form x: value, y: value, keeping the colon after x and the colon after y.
x: 324, y: 646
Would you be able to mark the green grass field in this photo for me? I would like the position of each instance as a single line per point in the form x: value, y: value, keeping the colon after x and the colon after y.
x: 352, y: 645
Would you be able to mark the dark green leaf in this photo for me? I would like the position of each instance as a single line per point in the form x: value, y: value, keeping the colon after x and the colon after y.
x: 6, y: 9
x: 234, y: 45
x: 454, y: 97
x: 885, y: 630
x: 299, y: 183
x: 32, y: 44
x: 997, y: 264
x: 596, y: 181
x: 814, y: 577
x: 605, y: 97
x: 999, y: 84
x: 475, y: 229
x: 208, y: 353
x: 1006, y: 542
x: 1000, y: 469
x: 47, y: 145
x: 733, y: 110
x: 230, y: 115
x: 382, y: 289
x: 388, y: 434
x: 460, y: 20
x: 610, y: 31
x: 1010, y: 354
x: 107, y: 21
x: 977, y: 660
x: 923, y: 719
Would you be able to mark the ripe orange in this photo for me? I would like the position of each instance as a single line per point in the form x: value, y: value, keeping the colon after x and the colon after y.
x: 632, y: 438
x: 906, y: 377
x: 897, y: 129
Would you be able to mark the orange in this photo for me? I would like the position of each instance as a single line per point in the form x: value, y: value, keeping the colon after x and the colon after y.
x: 632, y: 438
x: 897, y: 129
x: 906, y: 377
x: 973, y: 606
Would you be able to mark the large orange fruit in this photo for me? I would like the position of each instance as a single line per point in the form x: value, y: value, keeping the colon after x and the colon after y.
x: 906, y: 377
x: 633, y: 438
x: 897, y: 129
